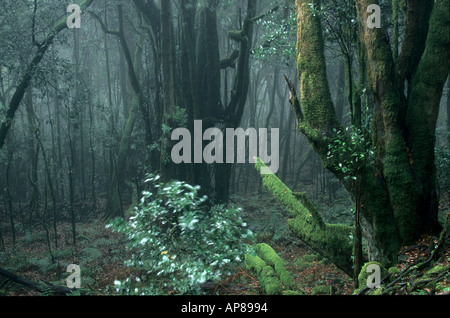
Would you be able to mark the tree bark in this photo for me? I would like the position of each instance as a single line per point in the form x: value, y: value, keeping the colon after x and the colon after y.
x: 397, y: 188
x: 168, y: 87
x: 423, y: 109
x: 234, y: 110
x: 133, y: 66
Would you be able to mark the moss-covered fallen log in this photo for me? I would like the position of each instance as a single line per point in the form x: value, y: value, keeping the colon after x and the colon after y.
x: 273, y: 259
x: 333, y: 241
x: 268, y: 281
x: 269, y: 268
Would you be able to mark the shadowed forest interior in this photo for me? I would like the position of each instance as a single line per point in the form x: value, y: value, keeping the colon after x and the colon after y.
x: 351, y: 118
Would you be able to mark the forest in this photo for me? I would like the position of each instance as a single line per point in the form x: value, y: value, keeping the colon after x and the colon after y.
x: 232, y: 147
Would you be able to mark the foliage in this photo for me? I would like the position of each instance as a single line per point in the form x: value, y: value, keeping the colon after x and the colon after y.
x: 44, y: 264
x: 91, y: 254
x: 278, y: 39
x: 340, y: 22
x: 172, y: 121
x: 178, y: 243
x: 353, y: 154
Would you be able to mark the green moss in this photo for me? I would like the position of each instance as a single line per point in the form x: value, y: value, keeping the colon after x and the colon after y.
x: 254, y: 263
x: 323, y: 290
x: 293, y: 293
x: 268, y: 279
x: 376, y: 291
x: 272, y: 258
x: 316, y: 102
x: 424, y: 281
x: 270, y: 284
x: 301, y: 196
x: 270, y: 270
x: 330, y: 240
x: 311, y: 258
x: 394, y: 270
x: 437, y: 269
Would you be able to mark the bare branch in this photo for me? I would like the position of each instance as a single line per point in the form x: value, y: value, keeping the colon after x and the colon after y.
x: 103, y: 26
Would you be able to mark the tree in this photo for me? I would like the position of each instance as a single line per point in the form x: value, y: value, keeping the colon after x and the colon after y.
x: 133, y: 66
x: 196, y: 87
x: 396, y: 187
x: 29, y: 73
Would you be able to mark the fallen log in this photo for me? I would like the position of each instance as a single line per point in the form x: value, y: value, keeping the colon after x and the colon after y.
x: 40, y: 287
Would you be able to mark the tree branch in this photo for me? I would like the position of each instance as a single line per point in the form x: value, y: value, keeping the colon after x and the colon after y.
x: 330, y: 240
x: 33, y: 26
x: 229, y: 61
x: 262, y: 16
x: 29, y: 73
x: 102, y: 25
x: 57, y: 290
x: 151, y: 13
x: 416, y: 29
x: 293, y: 99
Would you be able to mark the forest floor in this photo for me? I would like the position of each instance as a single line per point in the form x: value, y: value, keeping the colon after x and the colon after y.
x: 101, y: 254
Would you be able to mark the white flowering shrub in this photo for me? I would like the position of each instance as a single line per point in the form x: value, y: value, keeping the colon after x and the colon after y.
x: 178, y: 243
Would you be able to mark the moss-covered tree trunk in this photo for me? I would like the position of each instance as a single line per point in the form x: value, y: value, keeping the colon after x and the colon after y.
x: 422, y: 112
x: 404, y: 124
x: 333, y: 241
x: 396, y: 190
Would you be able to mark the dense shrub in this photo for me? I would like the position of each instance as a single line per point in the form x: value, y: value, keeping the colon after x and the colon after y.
x: 178, y: 242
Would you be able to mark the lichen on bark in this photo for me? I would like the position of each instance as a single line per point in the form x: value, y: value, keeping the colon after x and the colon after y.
x: 270, y: 270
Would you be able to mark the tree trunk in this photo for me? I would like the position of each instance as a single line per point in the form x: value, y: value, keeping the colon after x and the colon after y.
x: 448, y: 110
x: 235, y: 108
x: 397, y: 187
x: 33, y: 152
x: 422, y: 113
x: 134, y: 65
x: 29, y: 73
x: 168, y: 86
